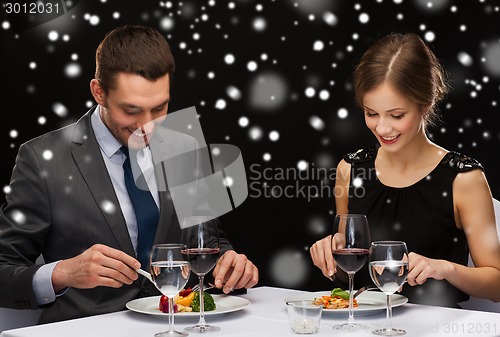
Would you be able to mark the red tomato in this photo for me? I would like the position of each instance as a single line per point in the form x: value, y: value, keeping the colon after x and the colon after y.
x: 185, y: 292
x: 164, y: 303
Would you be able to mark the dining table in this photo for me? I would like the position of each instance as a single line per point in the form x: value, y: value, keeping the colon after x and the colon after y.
x: 264, y: 314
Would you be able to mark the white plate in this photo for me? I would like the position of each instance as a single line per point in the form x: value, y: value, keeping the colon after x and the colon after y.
x: 223, y: 303
x: 369, y: 302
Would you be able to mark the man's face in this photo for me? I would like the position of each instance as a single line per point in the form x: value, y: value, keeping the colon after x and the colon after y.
x: 133, y: 108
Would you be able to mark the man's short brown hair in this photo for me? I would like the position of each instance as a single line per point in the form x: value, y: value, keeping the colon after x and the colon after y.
x: 138, y: 50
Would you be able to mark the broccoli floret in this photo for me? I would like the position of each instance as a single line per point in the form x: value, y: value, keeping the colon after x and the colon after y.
x: 208, y: 301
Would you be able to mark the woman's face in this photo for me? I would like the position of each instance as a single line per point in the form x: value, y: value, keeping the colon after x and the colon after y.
x: 394, y: 120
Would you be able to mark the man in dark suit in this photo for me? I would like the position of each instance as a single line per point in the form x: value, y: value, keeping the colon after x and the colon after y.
x: 68, y: 200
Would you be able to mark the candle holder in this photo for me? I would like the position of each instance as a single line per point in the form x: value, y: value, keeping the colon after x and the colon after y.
x: 304, y: 316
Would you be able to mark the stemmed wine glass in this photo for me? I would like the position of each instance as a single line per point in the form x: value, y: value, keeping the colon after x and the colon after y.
x: 201, y: 236
x: 170, y: 273
x: 388, y: 269
x: 350, y: 249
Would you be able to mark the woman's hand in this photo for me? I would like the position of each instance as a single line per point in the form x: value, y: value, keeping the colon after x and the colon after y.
x: 321, y: 254
x: 420, y: 268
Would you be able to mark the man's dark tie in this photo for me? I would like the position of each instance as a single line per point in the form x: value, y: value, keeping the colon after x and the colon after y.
x: 146, y: 212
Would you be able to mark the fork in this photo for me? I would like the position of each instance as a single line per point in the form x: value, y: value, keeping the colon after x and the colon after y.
x: 363, y: 289
x: 197, y: 287
x: 145, y: 274
x: 370, y: 287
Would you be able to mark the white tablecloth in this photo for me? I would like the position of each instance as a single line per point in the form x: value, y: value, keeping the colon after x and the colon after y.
x: 266, y: 316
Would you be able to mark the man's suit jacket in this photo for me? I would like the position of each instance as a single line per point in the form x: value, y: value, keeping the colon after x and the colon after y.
x: 61, y: 203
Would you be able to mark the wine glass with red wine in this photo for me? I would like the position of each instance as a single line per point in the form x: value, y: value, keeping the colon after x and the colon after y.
x: 350, y: 248
x: 200, y: 234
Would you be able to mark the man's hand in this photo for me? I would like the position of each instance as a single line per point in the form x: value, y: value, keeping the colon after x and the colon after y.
x: 99, y: 265
x: 235, y: 271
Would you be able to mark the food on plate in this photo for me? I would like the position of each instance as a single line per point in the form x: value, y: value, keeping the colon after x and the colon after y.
x: 185, y: 292
x: 187, y: 301
x: 208, y: 302
x: 338, y: 299
x: 182, y: 301
x: 164, y: 304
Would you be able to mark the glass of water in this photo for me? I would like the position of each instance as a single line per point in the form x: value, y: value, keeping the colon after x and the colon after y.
x: 170, y: 273
x: 388, y: 268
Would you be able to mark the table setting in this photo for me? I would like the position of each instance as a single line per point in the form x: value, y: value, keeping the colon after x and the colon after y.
x: 273, y: 311
x: 266, y: 315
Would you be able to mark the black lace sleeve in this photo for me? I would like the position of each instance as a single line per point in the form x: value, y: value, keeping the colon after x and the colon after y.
x: 361, y: 155
x: 460, y: 163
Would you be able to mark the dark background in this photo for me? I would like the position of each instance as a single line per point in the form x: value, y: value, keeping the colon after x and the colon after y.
x: 314, y: 129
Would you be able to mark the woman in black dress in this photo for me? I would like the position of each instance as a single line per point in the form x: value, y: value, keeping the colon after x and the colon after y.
x: 437, y: 201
